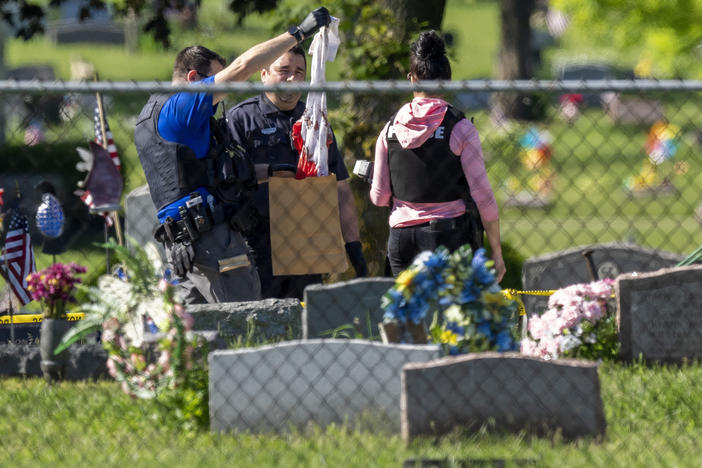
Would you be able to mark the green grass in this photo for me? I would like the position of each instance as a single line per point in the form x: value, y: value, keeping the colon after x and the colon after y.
x: 474, y: 24
x: 654, y: 418
x: 475, y: 27
x: 592, y: 159
x: 151, y: 62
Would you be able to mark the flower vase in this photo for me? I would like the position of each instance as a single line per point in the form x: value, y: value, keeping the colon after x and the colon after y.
x: 406, y: 332
x: 418, y: 332
x: 390, y: 332
x: 53, y: 366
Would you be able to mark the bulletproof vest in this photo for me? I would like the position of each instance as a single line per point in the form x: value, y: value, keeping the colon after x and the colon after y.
x: 431, y: 173
x: 271, y: 145
x: 174, y: 171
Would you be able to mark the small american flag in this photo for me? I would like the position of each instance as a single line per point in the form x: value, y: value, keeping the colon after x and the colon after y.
x: 110, y: 147
x: 17, y: 256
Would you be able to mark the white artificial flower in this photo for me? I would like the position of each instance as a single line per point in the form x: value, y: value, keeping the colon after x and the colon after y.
x: 154, y: 256
x: 421, y: 258
x: 453, y: 314
x: 568, y: 342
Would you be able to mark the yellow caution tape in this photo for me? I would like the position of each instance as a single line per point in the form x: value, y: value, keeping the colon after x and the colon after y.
x: 36, y: 318
x: 515, y: 294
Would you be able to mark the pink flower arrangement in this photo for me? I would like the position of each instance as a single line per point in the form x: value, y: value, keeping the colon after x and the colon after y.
x: 53, y: 287
x: 575, y: 324
x: 172, y: 355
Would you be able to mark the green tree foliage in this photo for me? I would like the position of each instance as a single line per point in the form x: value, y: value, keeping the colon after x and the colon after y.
x: 668, y: 33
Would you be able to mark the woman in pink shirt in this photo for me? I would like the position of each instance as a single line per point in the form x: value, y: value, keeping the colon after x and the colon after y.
x: 429, y: 167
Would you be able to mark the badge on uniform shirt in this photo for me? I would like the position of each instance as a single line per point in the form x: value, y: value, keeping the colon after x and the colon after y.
x: 269, y: 130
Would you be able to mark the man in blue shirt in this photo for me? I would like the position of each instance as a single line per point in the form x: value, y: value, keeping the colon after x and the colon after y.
x: 262, y: 126
x: 200, y: 183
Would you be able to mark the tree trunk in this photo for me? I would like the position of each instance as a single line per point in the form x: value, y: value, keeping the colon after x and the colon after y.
x: 514, y: 57
x: 419, y: 11
x: 3, y: 75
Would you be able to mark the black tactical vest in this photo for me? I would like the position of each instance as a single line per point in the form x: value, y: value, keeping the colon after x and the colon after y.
x: 271, y: 146
x: 173, y: 171
x: 431, y: 173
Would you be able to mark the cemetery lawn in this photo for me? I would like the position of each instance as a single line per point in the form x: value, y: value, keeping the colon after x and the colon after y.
x: 654, y: 418
x: 220, y: 32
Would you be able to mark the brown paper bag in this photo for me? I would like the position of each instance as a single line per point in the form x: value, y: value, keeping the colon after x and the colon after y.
x: 305, y: 226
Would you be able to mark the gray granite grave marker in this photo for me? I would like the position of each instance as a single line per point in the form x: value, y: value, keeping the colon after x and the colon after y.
x: 561, y: 269
x: 315, y: 381
x: 659, y: 315
x: 355, y: 302
x: 99, y: 28
x: 258, y: 320
x: 510, y: 391
x: 140, y: 217
x: 634, y: 110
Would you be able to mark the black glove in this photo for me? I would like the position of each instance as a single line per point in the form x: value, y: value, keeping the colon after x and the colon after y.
x: 355, y: 252
x: 315, y: 20
x: 181, y: 255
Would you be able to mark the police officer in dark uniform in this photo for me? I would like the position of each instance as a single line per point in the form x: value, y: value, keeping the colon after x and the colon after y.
x: 199, y: 181
x: 262, y: 126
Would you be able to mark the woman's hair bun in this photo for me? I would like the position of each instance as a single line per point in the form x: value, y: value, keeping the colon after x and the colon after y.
x: 429, y: 45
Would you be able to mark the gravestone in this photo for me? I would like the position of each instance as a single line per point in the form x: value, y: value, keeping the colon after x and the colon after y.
x: 586, y: 71
x: 567, y: 267
x: 140, y: 217
x: 257, y: 321
x: 99, y: 28
x: 22, y: 331
x: 23, y: 359
x: 658, y: 314
x: 633, y: 110
x: 353, y: 304
x: 505, y: 391
x: 272, y: 388
x: 42, y: 108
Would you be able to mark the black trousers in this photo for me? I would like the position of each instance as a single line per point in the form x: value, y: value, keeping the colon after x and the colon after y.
x: 405, y: 243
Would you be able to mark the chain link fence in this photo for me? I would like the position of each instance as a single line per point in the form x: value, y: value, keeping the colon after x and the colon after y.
x: 593, y: 180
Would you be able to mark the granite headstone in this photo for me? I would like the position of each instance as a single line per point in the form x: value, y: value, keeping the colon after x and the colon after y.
x: 28, y: 107
x: 140, y: 217
x: 567, y: 267
x: 69, y: 28
x: 634, y: 110
x: 352, y: 305
x: 272, y: 388
x: 504, y: 392
x: 257, y: 321
x: 659, y: 315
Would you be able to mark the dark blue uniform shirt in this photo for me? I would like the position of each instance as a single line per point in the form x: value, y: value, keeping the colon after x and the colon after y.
x: 264, y: 131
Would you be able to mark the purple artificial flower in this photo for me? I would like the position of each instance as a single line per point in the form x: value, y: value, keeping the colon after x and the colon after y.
x: 54, y: 284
